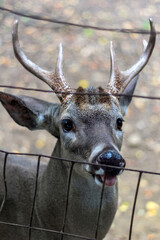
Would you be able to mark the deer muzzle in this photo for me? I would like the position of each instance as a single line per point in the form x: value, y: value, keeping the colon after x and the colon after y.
x: 111, y: 165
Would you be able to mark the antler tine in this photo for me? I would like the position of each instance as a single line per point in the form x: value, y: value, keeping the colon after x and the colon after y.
x: 135, y: 69
x: 55, y: 79
x: 120, y: 79
x: 59, y: 77
x: 115, y: 74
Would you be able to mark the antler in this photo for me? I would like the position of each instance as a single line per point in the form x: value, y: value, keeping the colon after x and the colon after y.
x: 120, y: 79
x: 55, y: 79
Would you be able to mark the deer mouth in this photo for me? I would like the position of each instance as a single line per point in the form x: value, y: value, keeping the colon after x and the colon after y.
x: 106, y: 180
x: 110, y: 164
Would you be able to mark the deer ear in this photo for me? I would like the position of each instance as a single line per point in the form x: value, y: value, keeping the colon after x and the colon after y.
x: 124, y: 101
x: 31, y: 112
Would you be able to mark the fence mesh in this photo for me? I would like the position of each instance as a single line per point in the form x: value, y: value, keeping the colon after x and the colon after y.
x: 62, y: 232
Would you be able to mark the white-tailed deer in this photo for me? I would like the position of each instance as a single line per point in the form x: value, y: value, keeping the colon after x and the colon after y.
x: 88, y: 128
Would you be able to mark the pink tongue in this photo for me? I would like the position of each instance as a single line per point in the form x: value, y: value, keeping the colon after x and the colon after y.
x: 109, y: 181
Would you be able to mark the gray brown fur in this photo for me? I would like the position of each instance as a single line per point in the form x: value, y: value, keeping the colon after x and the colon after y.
x: 91, y: 96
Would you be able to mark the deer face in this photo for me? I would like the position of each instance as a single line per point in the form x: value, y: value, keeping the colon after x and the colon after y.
x: 89, y: 122
x: 91, y: 132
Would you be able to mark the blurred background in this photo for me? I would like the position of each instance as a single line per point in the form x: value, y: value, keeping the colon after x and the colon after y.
x: 87, y: 63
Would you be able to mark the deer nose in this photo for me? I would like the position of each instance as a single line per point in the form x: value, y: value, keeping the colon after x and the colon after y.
x: 111, y: 158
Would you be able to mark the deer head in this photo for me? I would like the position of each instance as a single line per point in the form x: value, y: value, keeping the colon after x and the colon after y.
x: 88, y: 122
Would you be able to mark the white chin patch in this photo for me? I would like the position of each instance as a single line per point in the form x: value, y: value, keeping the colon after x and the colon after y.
x: 97, y: 181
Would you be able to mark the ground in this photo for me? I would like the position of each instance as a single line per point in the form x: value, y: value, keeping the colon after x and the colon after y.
x: 87, y: 61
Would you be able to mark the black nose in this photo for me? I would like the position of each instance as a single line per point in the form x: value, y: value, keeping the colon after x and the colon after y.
x: 111, y: 158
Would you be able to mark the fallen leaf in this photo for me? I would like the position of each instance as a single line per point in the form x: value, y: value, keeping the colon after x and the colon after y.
x: 151, y: 205
x: 88, y: 32
x: 152, y: 209
x: 83, y: 83
x: 5, y: 61
x: 103, y: 41
x: 124, y: 207
x: 151, y: 213
x: 145, y: 25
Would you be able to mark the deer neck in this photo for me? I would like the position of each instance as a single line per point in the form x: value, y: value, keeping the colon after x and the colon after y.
x: 52, y: 189
x: 82, y: 190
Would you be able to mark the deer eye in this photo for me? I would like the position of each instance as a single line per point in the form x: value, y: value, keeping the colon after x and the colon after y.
x: 67, y: 125
x: 120, y: 123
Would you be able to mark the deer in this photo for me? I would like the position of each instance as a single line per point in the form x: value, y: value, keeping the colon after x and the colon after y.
x: 88, y: 126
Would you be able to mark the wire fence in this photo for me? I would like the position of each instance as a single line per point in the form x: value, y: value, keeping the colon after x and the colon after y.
x: 80, y: 93
x: 62, y: 232
x: 52, y: 20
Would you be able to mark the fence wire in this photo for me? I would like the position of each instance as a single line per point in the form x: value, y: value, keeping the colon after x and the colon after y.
x: 80, y: 93
x: 52, y: 20
x: 62, y: 233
